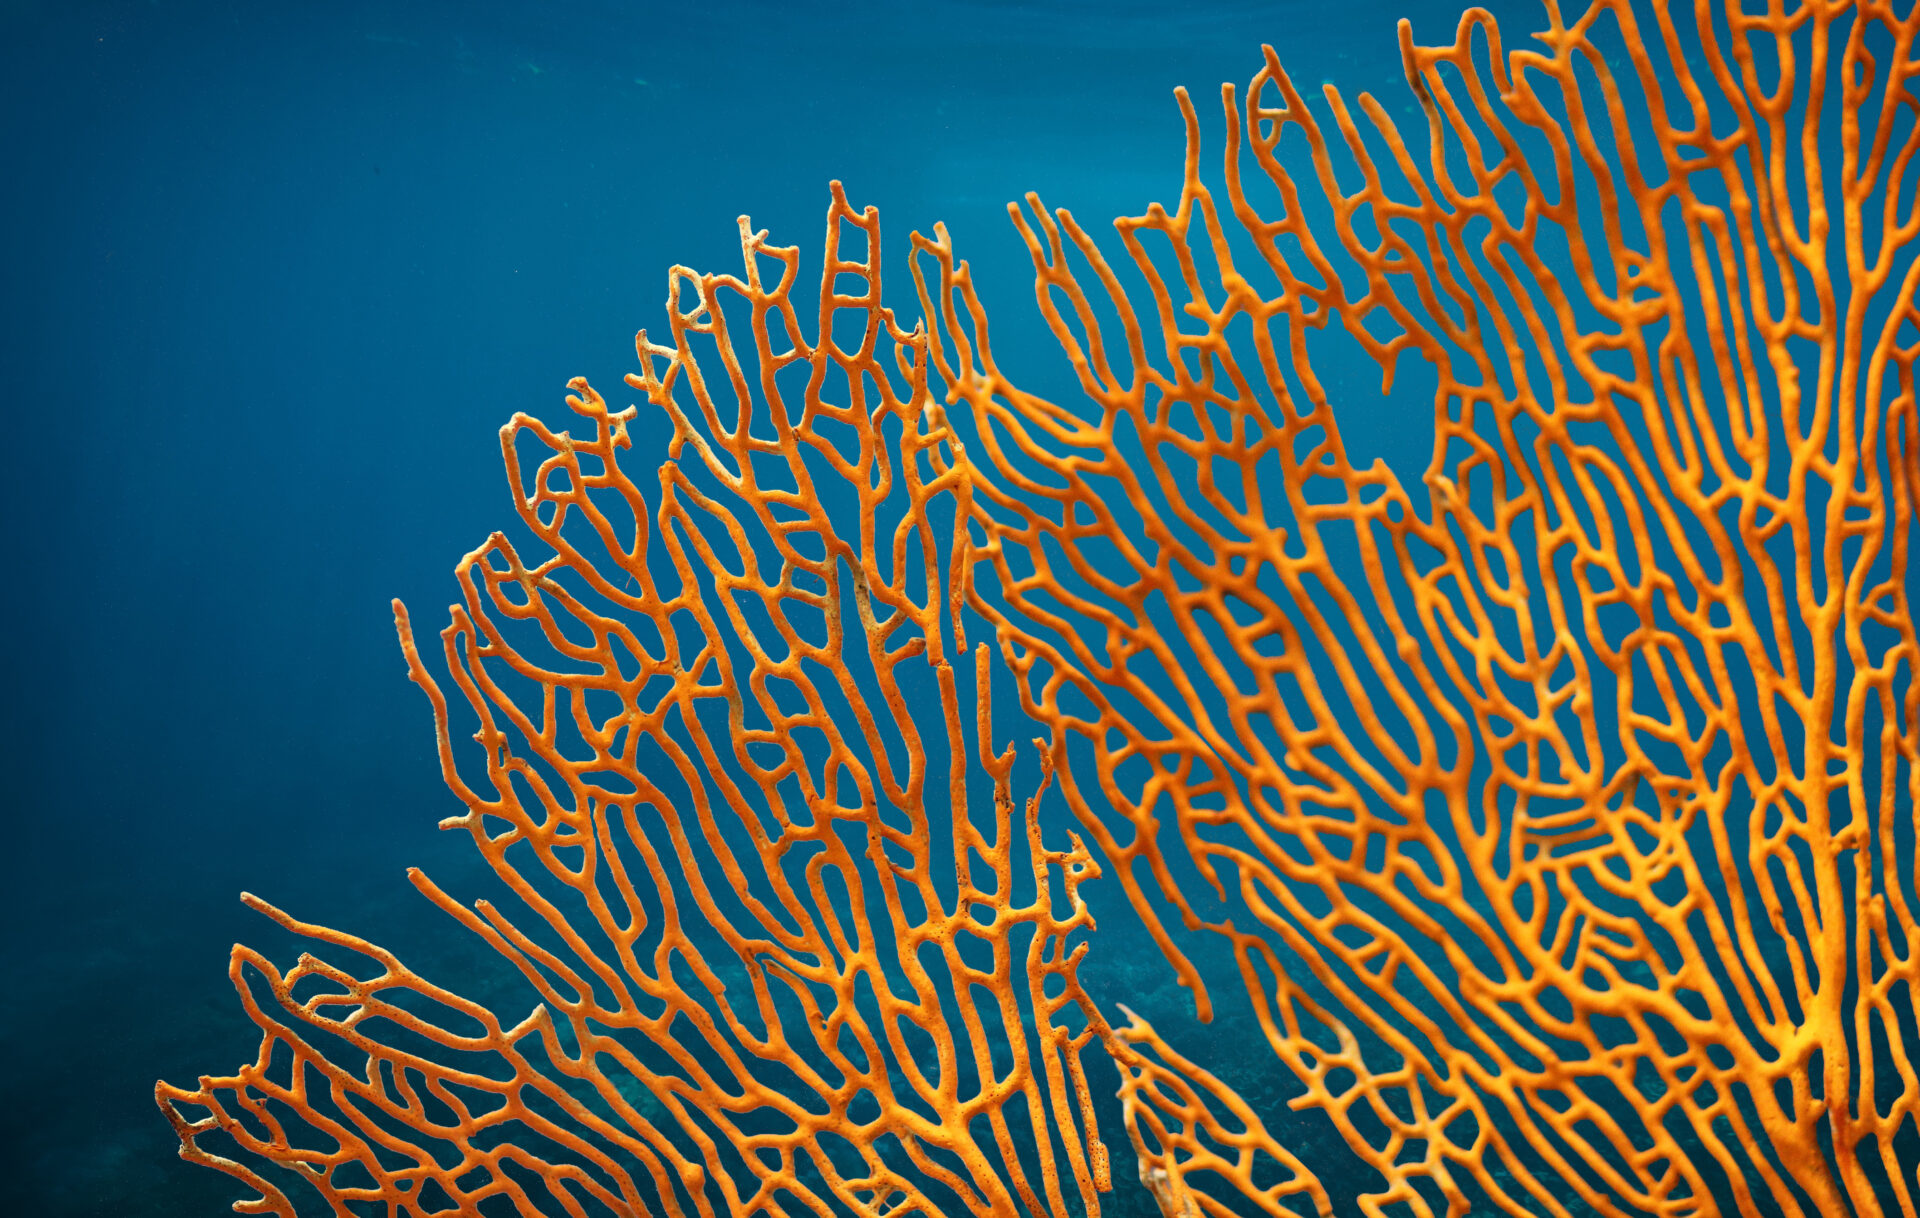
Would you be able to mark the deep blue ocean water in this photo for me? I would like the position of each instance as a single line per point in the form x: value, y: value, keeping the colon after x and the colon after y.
x: 274, y: 277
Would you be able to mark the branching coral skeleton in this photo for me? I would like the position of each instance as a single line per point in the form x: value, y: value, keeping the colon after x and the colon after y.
x: 1559, y: 810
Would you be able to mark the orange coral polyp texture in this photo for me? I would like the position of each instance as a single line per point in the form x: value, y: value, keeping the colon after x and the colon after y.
x: 1555, y: 808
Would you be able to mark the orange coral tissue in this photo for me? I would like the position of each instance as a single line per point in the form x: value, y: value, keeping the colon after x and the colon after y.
x: 1538, y: 832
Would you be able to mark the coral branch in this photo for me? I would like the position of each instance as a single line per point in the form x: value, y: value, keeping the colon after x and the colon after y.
x: 1557, y: 809
x: 775, y: 926
x: 1582, y: 784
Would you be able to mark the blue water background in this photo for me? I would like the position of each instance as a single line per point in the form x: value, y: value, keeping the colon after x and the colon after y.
x: 274, y: 277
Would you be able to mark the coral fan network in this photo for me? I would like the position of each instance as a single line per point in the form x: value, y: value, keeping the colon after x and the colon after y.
x: 1555, y: 806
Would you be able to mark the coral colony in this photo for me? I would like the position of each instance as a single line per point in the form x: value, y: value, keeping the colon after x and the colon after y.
x: 1552, y: 818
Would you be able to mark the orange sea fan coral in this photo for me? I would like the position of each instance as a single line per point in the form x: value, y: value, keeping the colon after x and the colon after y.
x: 1581, y: 785
x: 1558, y: 810
x: 797, y: 954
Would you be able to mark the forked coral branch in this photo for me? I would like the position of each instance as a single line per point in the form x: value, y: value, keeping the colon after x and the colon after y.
x: 1557, y: 807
